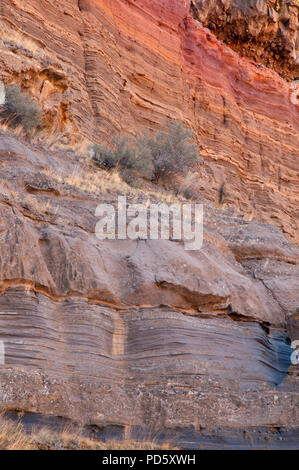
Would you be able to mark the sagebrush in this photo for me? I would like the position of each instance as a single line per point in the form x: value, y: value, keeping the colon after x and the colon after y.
x: 20, y: 109
x: 172, y: 151
x: 125, y: 155
x: 167, y: 153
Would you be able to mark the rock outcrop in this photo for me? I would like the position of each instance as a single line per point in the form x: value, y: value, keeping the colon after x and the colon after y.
x: 99, y: 67
x: 142, y: 336
x: 137, y: 336
x: 266, y: 31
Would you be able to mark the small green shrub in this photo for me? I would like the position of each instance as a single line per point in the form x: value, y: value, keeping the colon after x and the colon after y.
x: 20, y: 109
x: 171, y: 151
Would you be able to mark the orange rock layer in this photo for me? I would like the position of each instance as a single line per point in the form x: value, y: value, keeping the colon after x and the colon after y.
x: 126, y: 65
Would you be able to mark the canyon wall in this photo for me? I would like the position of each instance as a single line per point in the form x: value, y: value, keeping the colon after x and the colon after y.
x: 99, y: 67
x: 141, y: 336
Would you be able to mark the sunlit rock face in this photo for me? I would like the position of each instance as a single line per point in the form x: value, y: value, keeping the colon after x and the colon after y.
x: 99, y: 67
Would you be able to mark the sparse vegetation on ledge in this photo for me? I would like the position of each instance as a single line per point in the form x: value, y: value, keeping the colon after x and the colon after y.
x: 167, y: 154
x: 20, y: 110
x: 164, y: 157
x: 13, y: 436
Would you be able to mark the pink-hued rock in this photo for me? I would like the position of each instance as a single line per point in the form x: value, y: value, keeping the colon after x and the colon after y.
x: 106, y: 66
x: 142, y: 333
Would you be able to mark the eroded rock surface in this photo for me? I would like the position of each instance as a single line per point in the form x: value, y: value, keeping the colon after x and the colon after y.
x: 265, y: 30
x: 141, y: 335
x: 99, y: 67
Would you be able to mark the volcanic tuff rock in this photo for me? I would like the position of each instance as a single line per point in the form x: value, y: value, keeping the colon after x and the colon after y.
x: 141, y: 335
x: 99, y: 67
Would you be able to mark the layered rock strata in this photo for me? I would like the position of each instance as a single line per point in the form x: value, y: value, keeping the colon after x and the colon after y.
x: 141, y: 336
x: 99, y: 67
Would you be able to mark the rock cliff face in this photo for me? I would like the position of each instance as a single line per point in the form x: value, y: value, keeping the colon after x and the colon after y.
x: 140, y: 336
x: 265, y: 30
x: 100, y: 66
x: 137, y: 336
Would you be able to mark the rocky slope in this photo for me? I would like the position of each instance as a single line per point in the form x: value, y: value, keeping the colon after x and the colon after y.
x: 133, y: 337
x: 100, y: 66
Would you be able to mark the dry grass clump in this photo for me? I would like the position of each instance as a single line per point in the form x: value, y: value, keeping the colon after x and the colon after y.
x: 33, y: 135
x: 98, y: 182
x: 47, y: 440
x: 13, y: 436
x: 18, y: 131
x: 92, y: 182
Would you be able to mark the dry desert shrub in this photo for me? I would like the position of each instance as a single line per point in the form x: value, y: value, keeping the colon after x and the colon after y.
x: 162, y: 156
x: 171, y: 150
x: 13, y: 436
x: 125, y: 155
x: 20, y: 110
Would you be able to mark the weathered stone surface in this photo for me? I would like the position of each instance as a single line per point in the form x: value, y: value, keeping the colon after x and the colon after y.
x: 266, y: 30
x: 125, y: 65
x: 143, y: 335
x: 93, y: 359
x: 55, y: 251
x: 108, y: 333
